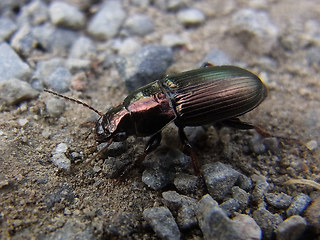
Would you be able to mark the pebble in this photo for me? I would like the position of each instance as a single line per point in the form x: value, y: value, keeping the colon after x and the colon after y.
x: 64, y: 14
x: 261, y: 187
x: 128, y: 46
x: 146, y: 65
x: 298, y: 205
x: 191, y: 16
x: 312, y: 145
x: 82, y: 48
x: 219, y: 179
x: 278, y: 200
x: 267, y: 221
x: 161, y: 166
x: 186, y: 183
x: 14, y: 91
x: 11, y: 65
x: 139, y: 24
x: 64, y: 193
x: 114, y: 167
x: 59, y: 79
x: 172, y: 40
x: 59, y: 158
x: 7, y: 28
x: 247, y: 227
x: 241, y: 196
x: 216, y: 57
x: 291, y: 229
x: 55, y: 107
x: 34, y: 13
x: 55, y: 40
x: 254, y: 29
x: 230, y: 206
x: 162, y: 223
x: 214, y: 223
x: 107, y: 21
x: 197, y: 136
x: 23, y: 40
x: 312, y: 215
x: 184, y: 206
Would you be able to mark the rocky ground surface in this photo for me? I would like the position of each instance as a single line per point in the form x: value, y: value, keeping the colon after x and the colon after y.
x: 52, y: 186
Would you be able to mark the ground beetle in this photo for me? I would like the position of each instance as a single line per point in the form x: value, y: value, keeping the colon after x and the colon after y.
x: 208, y: 95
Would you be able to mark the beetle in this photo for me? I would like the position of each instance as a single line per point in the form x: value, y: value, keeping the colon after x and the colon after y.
x: 207, y: 95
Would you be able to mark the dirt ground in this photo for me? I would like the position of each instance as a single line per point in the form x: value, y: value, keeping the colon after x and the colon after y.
x: 37, y: 198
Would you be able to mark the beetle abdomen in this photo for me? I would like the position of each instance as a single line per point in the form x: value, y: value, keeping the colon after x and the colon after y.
x: 212, y: 94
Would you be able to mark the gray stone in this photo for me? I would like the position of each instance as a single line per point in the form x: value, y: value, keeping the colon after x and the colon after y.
x: 55, y: 106
x: 254, y: 29
x: 14, y: 91
x: 127, y: 46
x: 298, y: 205
x: 162, y: 222
x: 191, y: 16
x: 82, y: 48
x: 267, y: 221
x: 59, y: 79
x: 241, y: 196
x: 186, y: 183
x: 107, y: 21
x: 278, y: 200
x: 144, y: 66
x: 247, y: 227
x: 245, y: 183
x: 34, y: 13
x: 213, y: 221
x: 230, y: 206
x: 66, y: 15
x: 172, y: 40
x: 139, y: 24
x: 197, y: 136
x: 291, y: 228
x: 59, y: 158
x: 11, y: 66
x: 312, y: 214
x: 7, y: 28
x: 219, y: 179
x: 261, y: 187
x: 23, y: 40
x: 57, y: 40
x: 216, y: 57
x: 114, y: 167
x: 157, y: 179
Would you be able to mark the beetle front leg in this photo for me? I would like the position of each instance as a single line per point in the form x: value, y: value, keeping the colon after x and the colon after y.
x: 188, y: 150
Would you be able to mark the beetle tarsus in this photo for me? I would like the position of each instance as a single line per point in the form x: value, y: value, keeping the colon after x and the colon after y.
x: 153, y: 143
x: 188, y: 150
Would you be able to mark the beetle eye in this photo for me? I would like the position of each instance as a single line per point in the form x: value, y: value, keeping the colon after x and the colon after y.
x: 119, y: 137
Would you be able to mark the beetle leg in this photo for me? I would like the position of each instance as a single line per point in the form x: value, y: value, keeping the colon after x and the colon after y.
x: 206, y: 64
x: 188, y: 150
x: 153, y: 143
x: 237, y: 123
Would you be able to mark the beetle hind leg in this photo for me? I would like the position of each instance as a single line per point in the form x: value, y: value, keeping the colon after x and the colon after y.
x: 188, y: 150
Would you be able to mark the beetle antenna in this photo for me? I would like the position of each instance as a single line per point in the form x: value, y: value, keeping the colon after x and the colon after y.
x: 74, y: 100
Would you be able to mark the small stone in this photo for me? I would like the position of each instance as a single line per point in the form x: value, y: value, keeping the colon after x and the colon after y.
x: 128, y: 46
x: 59, y: 158
x: 55, y: 106
x: 11, y: 66
x: 186, y: 183
x: 35, y: 13
x: 247, y: 227
x: 7, y: 28
x: 312, y: 145
x: 59, y: 80
x: 139, y: 24
x: 216, y: 57
x: 312, y: 215
x: 191, y: 16
x: 82, y: 48
x: 162, y: 222
x: 14, y: 91
x: 172, y: 40
x: 107, y: 21
x: 261, y: 187
x: 298, y: 205
x: 291, y: 228
x: 256, y: 145
x: 139, y: 69
x: 278, y: 200
x: 230, y: 206
x: 241, y: 196
x: 219, y: 179
x: 113, y: 167
x: 66, y: 15
x: 254, y: 29
x: 23, y: 40
x: 22, y: 121
x: 197, y: 136
x: 245, y: 183
x: 267, y: 221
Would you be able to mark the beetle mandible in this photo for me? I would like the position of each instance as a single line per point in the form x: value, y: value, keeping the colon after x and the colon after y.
x: 208, y: 95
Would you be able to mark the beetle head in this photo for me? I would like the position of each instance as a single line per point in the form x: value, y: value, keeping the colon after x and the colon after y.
x: 114, y: 126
